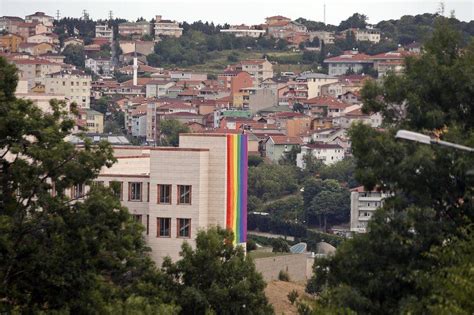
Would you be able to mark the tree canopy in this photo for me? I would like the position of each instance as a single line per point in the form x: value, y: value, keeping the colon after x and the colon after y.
x: 398, y: 266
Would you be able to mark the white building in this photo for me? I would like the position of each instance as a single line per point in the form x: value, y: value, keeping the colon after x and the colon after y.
x: 101, y: 66
x: 40, y: 17
x: 158, y: 88
x: 327, y: 153
x: 167, y: 28
x: 350, y: 60
x: 174, y: 192
x: 363, y: 206
x: 104, y: 31
x: 315, y: 81
x: 243, y: 31
x: 74, y: 84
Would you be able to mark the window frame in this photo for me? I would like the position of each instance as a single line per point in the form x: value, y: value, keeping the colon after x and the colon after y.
x: 130, y: 184
x: 179, y: 225
x: 158, y: 194
x: 179, y: 195
x: 158, y: 227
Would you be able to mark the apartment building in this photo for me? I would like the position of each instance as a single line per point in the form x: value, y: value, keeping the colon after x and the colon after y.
x: 323, y: 36
x: 370, y: 35
x: 363, y: 206
x: 167, y: 27
x: 315, y: 81
x: 327, y: 153
x: 10, y: 42
x: 9, y: 23
x: 32, y: 70
x: 41, y: 18
x: 74, y: 84
x: 94, y: 121
x: 243, y: 31
x: 175, y: 192
x: 259, y: 69
x: 350, y: 60
x: 104, y: 31
x: 139, y: 28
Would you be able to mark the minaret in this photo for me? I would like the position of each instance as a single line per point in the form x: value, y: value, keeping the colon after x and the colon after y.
x: 135, y: 71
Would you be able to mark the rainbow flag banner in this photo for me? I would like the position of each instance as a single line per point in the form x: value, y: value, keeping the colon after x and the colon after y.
x: 237, y: 173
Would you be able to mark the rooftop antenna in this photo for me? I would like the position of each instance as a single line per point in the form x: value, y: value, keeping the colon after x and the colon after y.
x: 57, y: 15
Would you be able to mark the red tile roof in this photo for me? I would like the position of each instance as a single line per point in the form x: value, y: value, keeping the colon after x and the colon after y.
x: 280, y: 140
x: 328, y: 101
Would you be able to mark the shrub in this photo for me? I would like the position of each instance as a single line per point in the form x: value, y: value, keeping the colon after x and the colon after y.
x: 283, y: 276
x: 292, y: 296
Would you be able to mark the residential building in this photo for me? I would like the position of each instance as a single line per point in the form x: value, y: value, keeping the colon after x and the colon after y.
x: 370, y: 34
x: 32, y: 70
x: 158, y: 88
x: 94, y: 121
x: 40, y: 17
x: 356, y: 115
x: 43, y: 38
x: 259, y: 69
x: 276, y: 19
x: 101, y: 66
x: 277, y: 146
x: 285, y: 29
x: 325, y: 152
x: 74, y: 84
x: 167, y: 27
x: 104, y: 31
x: 138, y: 28
x: 36, y: 49
x: 363, y: 206
x: 72, y: 41
x: 10, y: 42
x: 243, y: 31
x: 187, y: 76
x: 176, y: 192
x: 350, y: 60
x: 9, y: 23
x: 26, y: 30
x: 323, y: 36
x: 314, y: 82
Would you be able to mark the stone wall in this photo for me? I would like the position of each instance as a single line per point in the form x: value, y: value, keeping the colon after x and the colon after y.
x: 298, y: 266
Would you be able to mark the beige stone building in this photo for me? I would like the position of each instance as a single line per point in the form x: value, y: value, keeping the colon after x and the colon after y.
x: 173, y: 192
x: 94, y: 121
x: 74, y: 84
x: 259, y: 69
x: 32, y: 70
x: 167, y: 27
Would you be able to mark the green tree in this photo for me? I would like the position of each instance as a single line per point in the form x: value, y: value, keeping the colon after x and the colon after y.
x: 216, y: 277
x: 74, y: 55
x: 432, y: 206
x: 289, y: 158
x: 170, y: 130
x: 357, y: 20
x: 279, y: 245
x: 57, y: 254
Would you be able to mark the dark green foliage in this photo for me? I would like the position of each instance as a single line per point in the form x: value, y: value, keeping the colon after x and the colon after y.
x: 283, y: 276
x: 289, y: 158
x: 279, y: 245
x: 357, y: 20
x: 101, y: 105
x: 170, y: 130
x: 75, y: 55
x: 255, y: 160
x: 216, y: 277
x: 57, y: 254
x: 251, y: 245
x: 292, y: 296
x: 415, y: 256
x: 316, y: 26
x: 269, y: 181
x: 288, y: 209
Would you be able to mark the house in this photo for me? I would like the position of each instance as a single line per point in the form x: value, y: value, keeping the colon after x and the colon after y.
x: 277, y: 146
x: 74, y: 84
x: 36, y: 49
x: 72, y: 41
x: 40, y: 17
x: 10, y: 42
x: 32, y: 70
x: 243, y: 31
x: 9, y: 23
x: 177, y: 192
x: 363, y: 206
x: 53, y: 57
x: 167, y: 28
x: 276, y: 19
x: 349, y: 61
x: 104, y: 31
x: 158, y: 88
x: 284, y: 29
x: 356, y: 115
x: 325, y: 152
x: 323, y: 36
x: 187, y: 76
x: 94, y: 121
x: 26, y: 30
x: 293, y: 123
x: 393, y: 61
x: 367, y: 34
x: 325, y: 106
x: 259, y: 69
x: 314, y: 81
x: 140, y: 28
x: 101, y: 66
x: 43, y: 38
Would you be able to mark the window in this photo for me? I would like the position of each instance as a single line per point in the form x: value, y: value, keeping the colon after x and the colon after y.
x: 148, y: 192
x: 184, y: 228
x: 147, y: 224
x: 135, y: 191
x: 117, y: 187
x: 77, y: 191
x: 163, y: 228
x: 184, y: 194
x: 164, y: 194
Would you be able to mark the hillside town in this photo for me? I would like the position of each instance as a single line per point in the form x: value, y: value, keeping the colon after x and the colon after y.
x: 247, y: 127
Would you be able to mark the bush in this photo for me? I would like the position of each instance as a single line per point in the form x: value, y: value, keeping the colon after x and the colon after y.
x: 292, y: 296
x: 280, y: 246
x: 283, y: 276
x: 251, y: 245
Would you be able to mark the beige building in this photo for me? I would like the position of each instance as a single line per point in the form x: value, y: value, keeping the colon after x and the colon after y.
x: 32, y: 70
x: 43, y: 38
x: 314, y: 82
x: 104, y: 31
x: 139, y: 28
x: 94, y: 121
x: 40, y: 17
x: 173, y: 192
x: 243, y: 31
x: 167, y: 28
x: 74, y: 84
x: 259, y: 69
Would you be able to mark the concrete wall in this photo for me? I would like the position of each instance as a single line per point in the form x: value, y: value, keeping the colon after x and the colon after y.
x: 298, y: 267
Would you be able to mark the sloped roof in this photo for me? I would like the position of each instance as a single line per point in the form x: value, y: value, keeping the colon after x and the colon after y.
x: 281, y: 140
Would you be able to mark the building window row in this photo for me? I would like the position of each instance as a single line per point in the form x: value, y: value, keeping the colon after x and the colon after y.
x: 183, y: 227
x: 164, y: 193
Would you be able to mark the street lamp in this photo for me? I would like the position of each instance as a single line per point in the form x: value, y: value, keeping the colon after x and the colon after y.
x: 421, y: 138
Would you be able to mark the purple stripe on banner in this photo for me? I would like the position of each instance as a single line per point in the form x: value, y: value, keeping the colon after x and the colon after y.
x: 244, y: 183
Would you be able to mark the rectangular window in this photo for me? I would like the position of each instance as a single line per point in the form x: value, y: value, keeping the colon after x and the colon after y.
x: 135, y: 191
x: 164, y: 194
x: 163, y: 227
x: 77, y: 191
x: 184, y: 194
x: 117, y: 187
x: 184, y: 228
x: 148, y: 192
x: 147, y: 224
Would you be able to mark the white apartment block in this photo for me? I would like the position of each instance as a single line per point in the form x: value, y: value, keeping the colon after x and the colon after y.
x: 167, y: 28
x: 74, y: 84
x: 315, y: 81
x: 243, y: 31
x: 104, y: 31
x: 363, y: 206
x: 326, y: 152
x: 370, y: 35
x: 173, y: 192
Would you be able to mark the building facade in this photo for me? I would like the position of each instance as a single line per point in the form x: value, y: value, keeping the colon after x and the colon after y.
x: 167, y: 27
x: 74, y: 84
x: 363, y: 206
x: 175, y: 192
x: 104, y: 31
